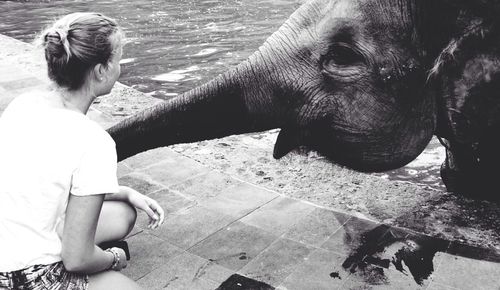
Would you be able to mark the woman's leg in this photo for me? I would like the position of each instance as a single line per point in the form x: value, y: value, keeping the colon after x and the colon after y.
x: 116, y: 221
x: 110, y: 280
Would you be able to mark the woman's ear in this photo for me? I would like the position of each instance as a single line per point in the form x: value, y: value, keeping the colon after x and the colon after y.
x: 99, y: 72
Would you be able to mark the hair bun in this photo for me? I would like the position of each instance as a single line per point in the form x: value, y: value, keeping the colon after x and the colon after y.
x: 57, y: 44
x: 75, y: 44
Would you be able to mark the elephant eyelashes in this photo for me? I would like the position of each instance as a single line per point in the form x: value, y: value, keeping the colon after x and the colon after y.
x: 342, y: 61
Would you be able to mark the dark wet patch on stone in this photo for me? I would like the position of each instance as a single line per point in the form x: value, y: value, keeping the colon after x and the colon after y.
x: 458, y: 249
x: 418, y: 259
x: 416, y: 251
x: 238, y: 282
x: 408, y: 252
x: 384, y: 263
x: 372, y: 242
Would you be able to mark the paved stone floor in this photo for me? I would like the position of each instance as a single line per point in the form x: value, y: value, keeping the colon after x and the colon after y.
x: 226, y: 232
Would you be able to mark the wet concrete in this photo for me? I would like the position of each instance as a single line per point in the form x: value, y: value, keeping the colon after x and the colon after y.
x: 309, y: 176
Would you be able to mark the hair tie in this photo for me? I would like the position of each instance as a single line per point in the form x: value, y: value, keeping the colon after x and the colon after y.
x: 64, y: 41
x: 62, y: 36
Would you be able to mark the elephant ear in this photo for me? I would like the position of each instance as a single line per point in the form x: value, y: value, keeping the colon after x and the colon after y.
x: 470, y: 122
x: 288, y: 139
x: 472, y: 98
x: 468, y: 71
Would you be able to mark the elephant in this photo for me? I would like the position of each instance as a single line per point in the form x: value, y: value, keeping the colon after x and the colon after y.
x: 366, y: 83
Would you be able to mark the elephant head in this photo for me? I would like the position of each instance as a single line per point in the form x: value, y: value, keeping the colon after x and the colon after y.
x: 357, y: 80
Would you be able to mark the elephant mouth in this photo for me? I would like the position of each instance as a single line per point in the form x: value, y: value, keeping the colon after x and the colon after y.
x: 365, y: 153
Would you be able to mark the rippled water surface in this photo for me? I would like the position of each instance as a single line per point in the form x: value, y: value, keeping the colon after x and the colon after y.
x: 175, y: 45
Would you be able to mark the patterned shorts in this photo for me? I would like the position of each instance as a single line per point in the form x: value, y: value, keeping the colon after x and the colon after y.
x: 43, y: 277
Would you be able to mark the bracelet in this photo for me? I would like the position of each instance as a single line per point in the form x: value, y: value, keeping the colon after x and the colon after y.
x: 116, y: 259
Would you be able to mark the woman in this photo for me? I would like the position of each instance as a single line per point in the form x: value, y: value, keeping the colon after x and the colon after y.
x: 59, y: 195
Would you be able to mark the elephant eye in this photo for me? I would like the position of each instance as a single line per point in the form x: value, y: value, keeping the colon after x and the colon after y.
x: 345, y: 56
x: 343, y: 61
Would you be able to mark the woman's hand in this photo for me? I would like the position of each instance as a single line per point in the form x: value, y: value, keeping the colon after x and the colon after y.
x: 146, y: 204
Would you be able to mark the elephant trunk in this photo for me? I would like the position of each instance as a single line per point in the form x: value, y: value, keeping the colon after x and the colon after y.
x: 251, y: 97
x: 233, y: 103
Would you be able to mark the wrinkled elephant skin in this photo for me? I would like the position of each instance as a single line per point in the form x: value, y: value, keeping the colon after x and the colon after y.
x: 366, y: 83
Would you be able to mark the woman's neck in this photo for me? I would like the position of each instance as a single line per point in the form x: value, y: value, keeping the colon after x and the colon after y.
x: 77, y: 100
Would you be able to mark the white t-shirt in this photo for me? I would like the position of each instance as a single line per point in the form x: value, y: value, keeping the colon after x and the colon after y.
x: 45, y: 154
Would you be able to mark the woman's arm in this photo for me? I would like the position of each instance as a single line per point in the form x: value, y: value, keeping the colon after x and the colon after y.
x: 121, y: 195
x: 79, y: 252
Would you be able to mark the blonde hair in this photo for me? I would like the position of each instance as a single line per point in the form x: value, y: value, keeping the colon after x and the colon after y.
x: 77, y: 42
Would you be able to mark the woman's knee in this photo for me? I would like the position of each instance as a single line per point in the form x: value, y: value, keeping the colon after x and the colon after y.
x: 116, y: 221
x: 129, y: 216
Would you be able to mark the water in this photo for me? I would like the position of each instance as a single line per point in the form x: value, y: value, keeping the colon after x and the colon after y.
x: 173, y: 45
x: 176, y: 45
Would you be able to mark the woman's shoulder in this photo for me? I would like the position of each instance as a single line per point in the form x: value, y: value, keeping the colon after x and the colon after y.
x: 91, y: 133
x: 23, y: 105
x: 97, y: 132
x: 23, y: 99
x: 34, y: 99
